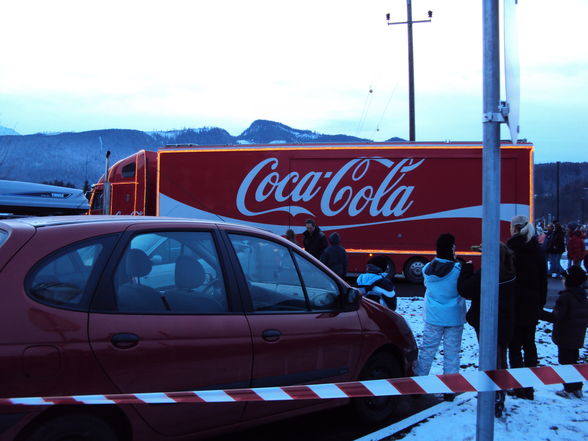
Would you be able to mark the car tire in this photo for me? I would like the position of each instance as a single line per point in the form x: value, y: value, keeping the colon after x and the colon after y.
x: 413, y: 269
x: 73, y: 427
x: 375, y: 410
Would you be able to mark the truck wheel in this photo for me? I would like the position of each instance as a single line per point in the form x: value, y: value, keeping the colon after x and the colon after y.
x: 413, y: 269
x: 375, y: 410
x: 73, y: 427
x: 391, y: 268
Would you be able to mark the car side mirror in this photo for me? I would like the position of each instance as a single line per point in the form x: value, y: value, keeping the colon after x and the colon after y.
x: 352, y: 297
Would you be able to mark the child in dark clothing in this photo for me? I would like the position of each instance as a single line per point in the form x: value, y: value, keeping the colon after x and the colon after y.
x: 377, y: 282
x: 570, y: 320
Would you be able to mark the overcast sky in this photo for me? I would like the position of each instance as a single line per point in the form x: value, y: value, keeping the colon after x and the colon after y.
x: 76, y: 65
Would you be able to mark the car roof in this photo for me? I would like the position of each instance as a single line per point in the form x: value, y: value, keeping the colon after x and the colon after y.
x: 54, y: 221
x: 47, y: 221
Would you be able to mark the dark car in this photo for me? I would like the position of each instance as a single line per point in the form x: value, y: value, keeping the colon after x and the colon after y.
x: 107, y: 305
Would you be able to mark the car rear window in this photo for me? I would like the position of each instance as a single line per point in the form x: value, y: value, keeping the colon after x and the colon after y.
x: 61, y: 279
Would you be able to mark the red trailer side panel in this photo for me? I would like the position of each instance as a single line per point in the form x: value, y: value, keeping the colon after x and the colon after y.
x: 381, y: 198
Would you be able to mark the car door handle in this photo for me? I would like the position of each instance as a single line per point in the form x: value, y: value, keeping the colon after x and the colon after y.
x: 271, y: 335
x: 125, y: 340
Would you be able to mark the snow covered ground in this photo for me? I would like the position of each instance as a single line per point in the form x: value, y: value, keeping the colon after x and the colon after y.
x: 547, y: 418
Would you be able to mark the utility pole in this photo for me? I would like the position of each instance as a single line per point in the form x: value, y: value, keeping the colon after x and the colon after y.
x: 557, y: 191
x: 106, y: 187
x: 409, y: 22
x: 494, y: 115
x: 584, y: 218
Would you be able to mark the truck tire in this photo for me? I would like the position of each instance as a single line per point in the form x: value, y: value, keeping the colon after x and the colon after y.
x: 413, y: 269
x: 73, y: 427
x: 391, y: 268
x: 375, y: 410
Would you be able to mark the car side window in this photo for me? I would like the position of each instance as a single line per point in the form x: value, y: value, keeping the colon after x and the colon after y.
x: 271, y: 275
x: 175, y: 272
x: 322, y: 290
x: 61, y: 278
x: 3, y: 237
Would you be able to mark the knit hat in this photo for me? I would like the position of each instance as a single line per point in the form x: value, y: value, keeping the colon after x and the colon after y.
x: 379, y: 261
x: 445, y: 244
x: 574, y: 276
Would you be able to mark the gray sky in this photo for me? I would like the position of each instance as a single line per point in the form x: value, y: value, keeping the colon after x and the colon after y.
x: 75, y: 65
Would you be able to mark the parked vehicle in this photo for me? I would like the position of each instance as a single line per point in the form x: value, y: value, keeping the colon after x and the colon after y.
x: 382, y: 198
x: 32, y: 199
x: 105, y: 305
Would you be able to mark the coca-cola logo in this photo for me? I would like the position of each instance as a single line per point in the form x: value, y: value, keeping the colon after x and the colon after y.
x: 387, y: 197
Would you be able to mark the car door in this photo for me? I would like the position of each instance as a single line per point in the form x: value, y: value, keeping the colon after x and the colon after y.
x: 300, y: 333
x: 181, y: 330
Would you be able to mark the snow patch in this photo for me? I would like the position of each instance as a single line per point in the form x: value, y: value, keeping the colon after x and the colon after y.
x: 547, y: 417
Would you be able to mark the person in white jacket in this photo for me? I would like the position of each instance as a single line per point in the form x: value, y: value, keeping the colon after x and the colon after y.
x: 444, y: 310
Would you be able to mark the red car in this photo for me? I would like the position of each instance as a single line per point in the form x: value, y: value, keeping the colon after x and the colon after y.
x: 106, y: 305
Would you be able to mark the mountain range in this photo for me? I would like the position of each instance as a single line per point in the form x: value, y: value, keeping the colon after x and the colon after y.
x: 78, y: 159
x: 7, y: 131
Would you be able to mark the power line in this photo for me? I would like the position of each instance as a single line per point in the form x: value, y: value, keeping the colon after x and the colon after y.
x: 364, y: 112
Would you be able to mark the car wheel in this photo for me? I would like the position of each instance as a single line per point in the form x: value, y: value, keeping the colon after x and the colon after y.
x: 73, y: 427
x: 375, y: 410
x: 413, y: 269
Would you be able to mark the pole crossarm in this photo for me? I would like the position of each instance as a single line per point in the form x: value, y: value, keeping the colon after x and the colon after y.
x: 406, y: 22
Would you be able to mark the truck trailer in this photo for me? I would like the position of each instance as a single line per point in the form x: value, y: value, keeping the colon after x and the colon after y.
x: 392, y: 198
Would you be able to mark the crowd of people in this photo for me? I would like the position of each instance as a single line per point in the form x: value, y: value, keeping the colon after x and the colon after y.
x: 529, y: 257
x: 555, y: 239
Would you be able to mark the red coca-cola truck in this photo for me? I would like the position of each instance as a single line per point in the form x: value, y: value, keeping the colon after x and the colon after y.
x: 382, y: 198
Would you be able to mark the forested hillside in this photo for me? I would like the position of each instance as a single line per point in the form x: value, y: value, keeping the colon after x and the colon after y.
x: 573, y: 191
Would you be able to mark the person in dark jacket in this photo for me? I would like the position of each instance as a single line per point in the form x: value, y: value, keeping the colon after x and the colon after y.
x: 570, y: 320
x: 555, y: 248
x: 377, y: 282
x: 335, y: 256
x: 469, y: 287
x: 547, y: 240
x: 315, y: 241
x: 531, y: 295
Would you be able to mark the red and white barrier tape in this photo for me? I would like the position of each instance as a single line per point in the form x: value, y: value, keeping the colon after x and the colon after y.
x: 474, y: 381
